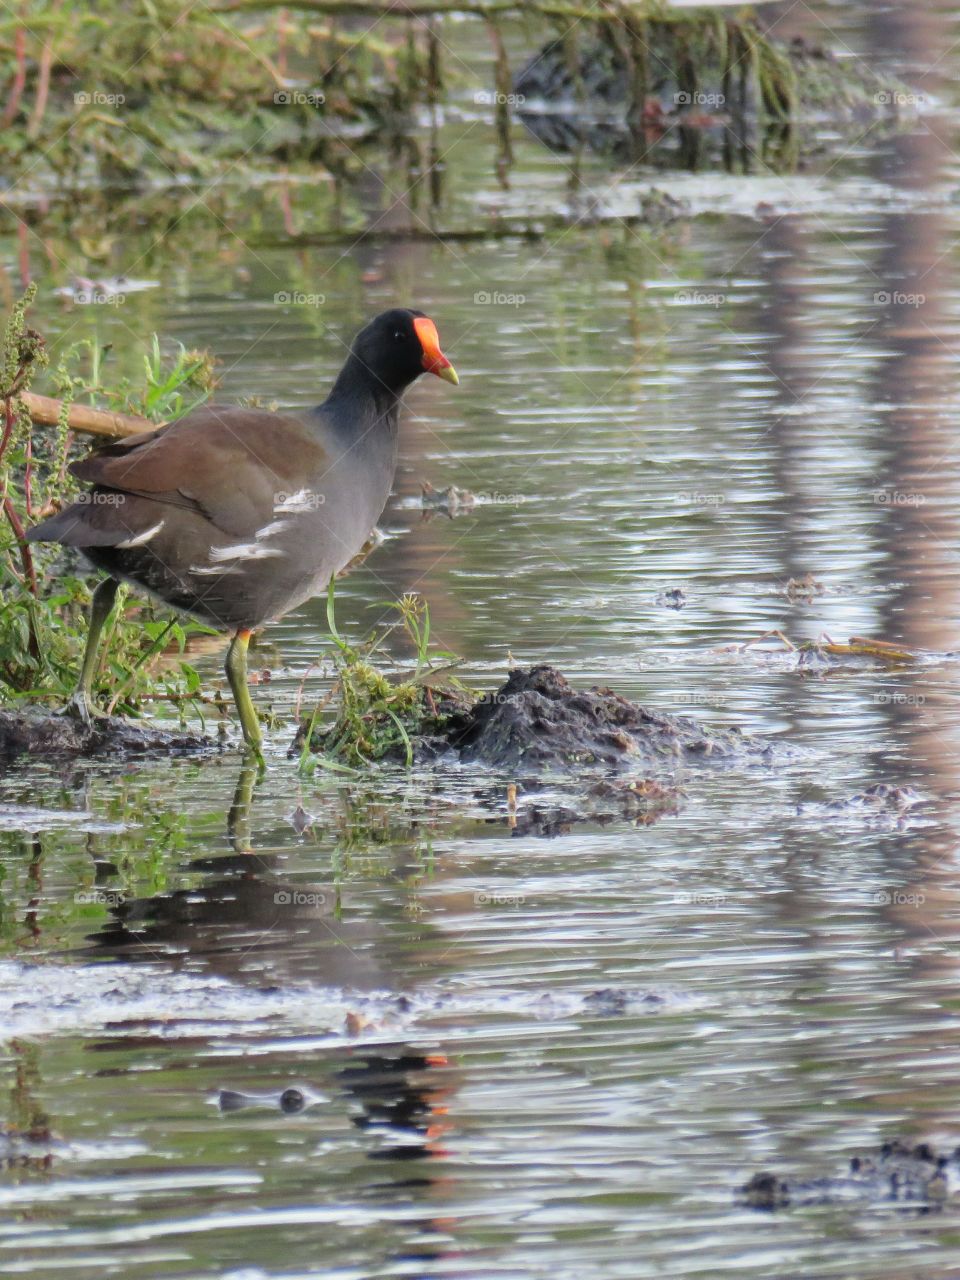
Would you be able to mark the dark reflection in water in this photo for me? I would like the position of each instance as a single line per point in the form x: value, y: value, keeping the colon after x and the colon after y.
x: 399, y: 1098
x: 246, y: 922
x: 401, y: 1101
x: 406, y: 1109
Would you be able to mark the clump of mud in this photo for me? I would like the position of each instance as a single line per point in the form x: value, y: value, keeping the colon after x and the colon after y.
x: 537, y: 722
x: 534, y: 723
x: 38, y: 733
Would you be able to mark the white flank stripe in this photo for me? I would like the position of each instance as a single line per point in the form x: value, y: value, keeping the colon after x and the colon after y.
x: 211, y: 569
x: 140, y: 538
x: 247, y: 550
x: 244, y: 551
x: 268, y: 530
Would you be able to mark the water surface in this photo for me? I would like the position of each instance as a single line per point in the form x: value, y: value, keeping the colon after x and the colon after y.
x: 718, y: 406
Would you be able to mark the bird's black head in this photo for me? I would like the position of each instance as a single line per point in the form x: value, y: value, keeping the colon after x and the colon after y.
x: 398, y: 345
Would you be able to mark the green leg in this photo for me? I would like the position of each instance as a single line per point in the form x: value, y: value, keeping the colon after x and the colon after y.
x: 237, y: 675
x: 101, y: 606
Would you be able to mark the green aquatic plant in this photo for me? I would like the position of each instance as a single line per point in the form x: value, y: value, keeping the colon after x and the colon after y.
x: 169, y: 386
x: 376, y: 715
x: 44, y: 591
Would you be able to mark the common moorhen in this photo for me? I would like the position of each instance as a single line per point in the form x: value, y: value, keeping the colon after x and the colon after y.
x: 235, y: 516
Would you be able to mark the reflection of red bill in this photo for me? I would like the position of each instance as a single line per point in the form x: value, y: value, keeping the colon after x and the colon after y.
x: 434, y: 361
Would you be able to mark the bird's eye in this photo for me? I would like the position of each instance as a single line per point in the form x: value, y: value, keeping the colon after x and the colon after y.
x: 398, y: 335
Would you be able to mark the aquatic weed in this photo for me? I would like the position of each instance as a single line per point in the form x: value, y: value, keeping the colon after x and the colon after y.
x: 378, y: 716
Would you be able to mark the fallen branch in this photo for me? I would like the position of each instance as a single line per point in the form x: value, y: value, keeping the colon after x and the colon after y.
x: 417, y: 8
x: 45, y: 412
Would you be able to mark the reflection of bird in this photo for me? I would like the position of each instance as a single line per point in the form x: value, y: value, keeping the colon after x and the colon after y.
x: 401, y: 1101
x: 399, y: 1097
x: 245, y: 924
x: 235, y: 516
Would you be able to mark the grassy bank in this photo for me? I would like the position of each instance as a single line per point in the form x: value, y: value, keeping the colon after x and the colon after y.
x: 45, y: 589
x: 141, y: 89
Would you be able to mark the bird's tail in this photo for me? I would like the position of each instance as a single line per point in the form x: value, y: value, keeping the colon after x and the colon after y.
x: 101, y: 518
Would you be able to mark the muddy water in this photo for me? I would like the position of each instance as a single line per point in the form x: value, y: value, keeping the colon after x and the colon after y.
x: 716, y: 408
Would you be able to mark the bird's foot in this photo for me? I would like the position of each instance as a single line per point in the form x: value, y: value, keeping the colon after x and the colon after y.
x: 80, y: 708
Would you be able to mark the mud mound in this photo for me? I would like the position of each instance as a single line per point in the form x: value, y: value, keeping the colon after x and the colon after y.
x: 536, y: 721
x: 38, y: 733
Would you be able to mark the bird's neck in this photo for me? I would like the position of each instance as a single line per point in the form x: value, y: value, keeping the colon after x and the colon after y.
x: 359, y: 402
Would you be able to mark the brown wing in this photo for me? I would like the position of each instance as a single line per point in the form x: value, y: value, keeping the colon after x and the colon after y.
x: 227, y: 464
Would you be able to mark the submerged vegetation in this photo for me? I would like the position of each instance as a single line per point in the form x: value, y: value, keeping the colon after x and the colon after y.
x: 125, y: 90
